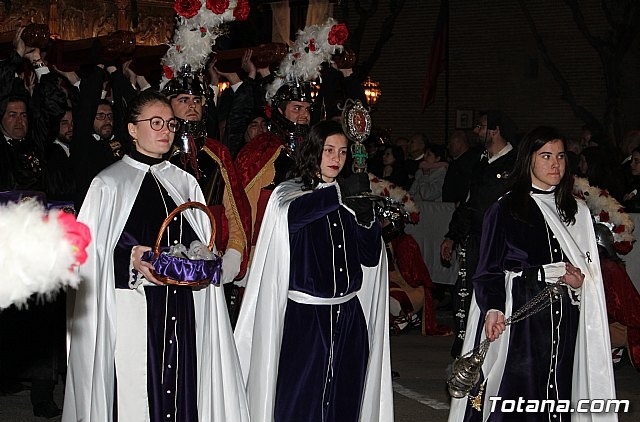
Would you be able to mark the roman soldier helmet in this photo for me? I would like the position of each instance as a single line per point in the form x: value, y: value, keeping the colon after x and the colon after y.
x: 291, y: 132
x: 393, y: 215
x: 192, y: 134
x: 186, y: 82
x: 604, y: 239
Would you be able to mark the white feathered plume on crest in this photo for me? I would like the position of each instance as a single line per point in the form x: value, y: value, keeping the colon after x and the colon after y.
x: 314, y: 45
x: 194, y: 37
x: 38, y: 255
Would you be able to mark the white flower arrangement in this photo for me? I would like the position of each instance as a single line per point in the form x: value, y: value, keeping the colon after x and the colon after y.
x: 605, y: 209
x: 383, y: 187
x: 314, y: 45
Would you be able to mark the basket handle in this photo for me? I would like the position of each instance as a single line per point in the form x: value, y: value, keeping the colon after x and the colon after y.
x: 178, y: 210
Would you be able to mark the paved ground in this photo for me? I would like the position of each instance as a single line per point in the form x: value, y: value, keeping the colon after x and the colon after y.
x: 419, y: 391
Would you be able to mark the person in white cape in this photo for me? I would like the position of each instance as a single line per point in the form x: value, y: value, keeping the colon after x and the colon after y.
x: 537, y: 235
x: 312, y: 334
x: 141, y: 350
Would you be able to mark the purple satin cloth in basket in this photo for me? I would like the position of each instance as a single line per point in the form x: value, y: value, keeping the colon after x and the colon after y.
x: 185, y: 270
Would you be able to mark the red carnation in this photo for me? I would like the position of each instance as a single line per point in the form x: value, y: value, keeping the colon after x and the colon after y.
x: 312, y: 45
x: 241, y: 12
x: 218, y: 6
x: 619, y: 228
x: 623, y: 247
x: 168, y: 72
x: 338, y: 34
x: 267, y: 111
x: 604, y: 216
x: 76, y: 233
x: 187, y: 8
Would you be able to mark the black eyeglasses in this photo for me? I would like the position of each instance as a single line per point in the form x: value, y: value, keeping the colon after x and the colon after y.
x: 102, y: 116
x: 157, y: 123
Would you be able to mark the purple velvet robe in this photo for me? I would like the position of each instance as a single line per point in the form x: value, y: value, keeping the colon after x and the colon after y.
x: 325, y: 348
x: 171, y: 346
x: 539, y: 363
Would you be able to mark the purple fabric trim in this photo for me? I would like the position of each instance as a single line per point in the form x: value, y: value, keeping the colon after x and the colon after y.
x: 185, y: 270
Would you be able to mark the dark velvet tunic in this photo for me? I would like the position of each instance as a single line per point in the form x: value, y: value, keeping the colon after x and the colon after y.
x: 325, y: 348
x: 171, y: 347
x: 539, y: 361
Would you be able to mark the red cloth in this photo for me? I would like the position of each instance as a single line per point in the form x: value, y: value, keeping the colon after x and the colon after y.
x: 409, y: 261
x: 623, y: 303
x: 265, y: 194
x: 255, y: 155
x: 438, y: 55
x: 241, y: 206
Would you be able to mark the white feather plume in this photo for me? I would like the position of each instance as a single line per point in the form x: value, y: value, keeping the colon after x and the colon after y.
x: 303, y: 63
x: 194, y: 38
x: 35, y: 257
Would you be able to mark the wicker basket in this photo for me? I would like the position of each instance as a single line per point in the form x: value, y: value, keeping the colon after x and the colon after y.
x: 183, y: 271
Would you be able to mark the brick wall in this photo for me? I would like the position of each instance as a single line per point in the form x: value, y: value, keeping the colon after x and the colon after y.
x: 494, y: 63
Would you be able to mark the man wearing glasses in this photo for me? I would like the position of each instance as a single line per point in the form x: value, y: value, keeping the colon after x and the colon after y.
x: 210, y: 162
x: 488, y: 183
x: 97, y: 131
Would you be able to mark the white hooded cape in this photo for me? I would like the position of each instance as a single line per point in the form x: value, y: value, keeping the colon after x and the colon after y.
x: 259, y: 330
x: 102, y: 344
x: 592, y: 366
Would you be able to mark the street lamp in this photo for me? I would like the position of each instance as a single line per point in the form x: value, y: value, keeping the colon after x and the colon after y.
x: 371, y: 91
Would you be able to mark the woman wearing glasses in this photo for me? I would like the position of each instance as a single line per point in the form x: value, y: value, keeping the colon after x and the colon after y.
x: 141, y: 350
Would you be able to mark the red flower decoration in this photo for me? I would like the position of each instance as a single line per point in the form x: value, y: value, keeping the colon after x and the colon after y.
x: 241, y: 12
x: 168, y: 72
x: 218, y: 6
x: 338, y: 34
x: 76, y: 233
x: 604, y: 216
x: 623, y: 247
x: 267, y: 111
x: 619, y: 228
x: 187, y: 8
x: 312, y: 45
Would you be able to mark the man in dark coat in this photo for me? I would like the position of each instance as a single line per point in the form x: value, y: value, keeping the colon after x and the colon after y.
x: 458, y: 177
x: 488, y: 183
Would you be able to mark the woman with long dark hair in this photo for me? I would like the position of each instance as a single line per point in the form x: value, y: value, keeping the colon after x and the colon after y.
x: 312, y: 333
x: 535, y: 236
x: 394, y: 169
